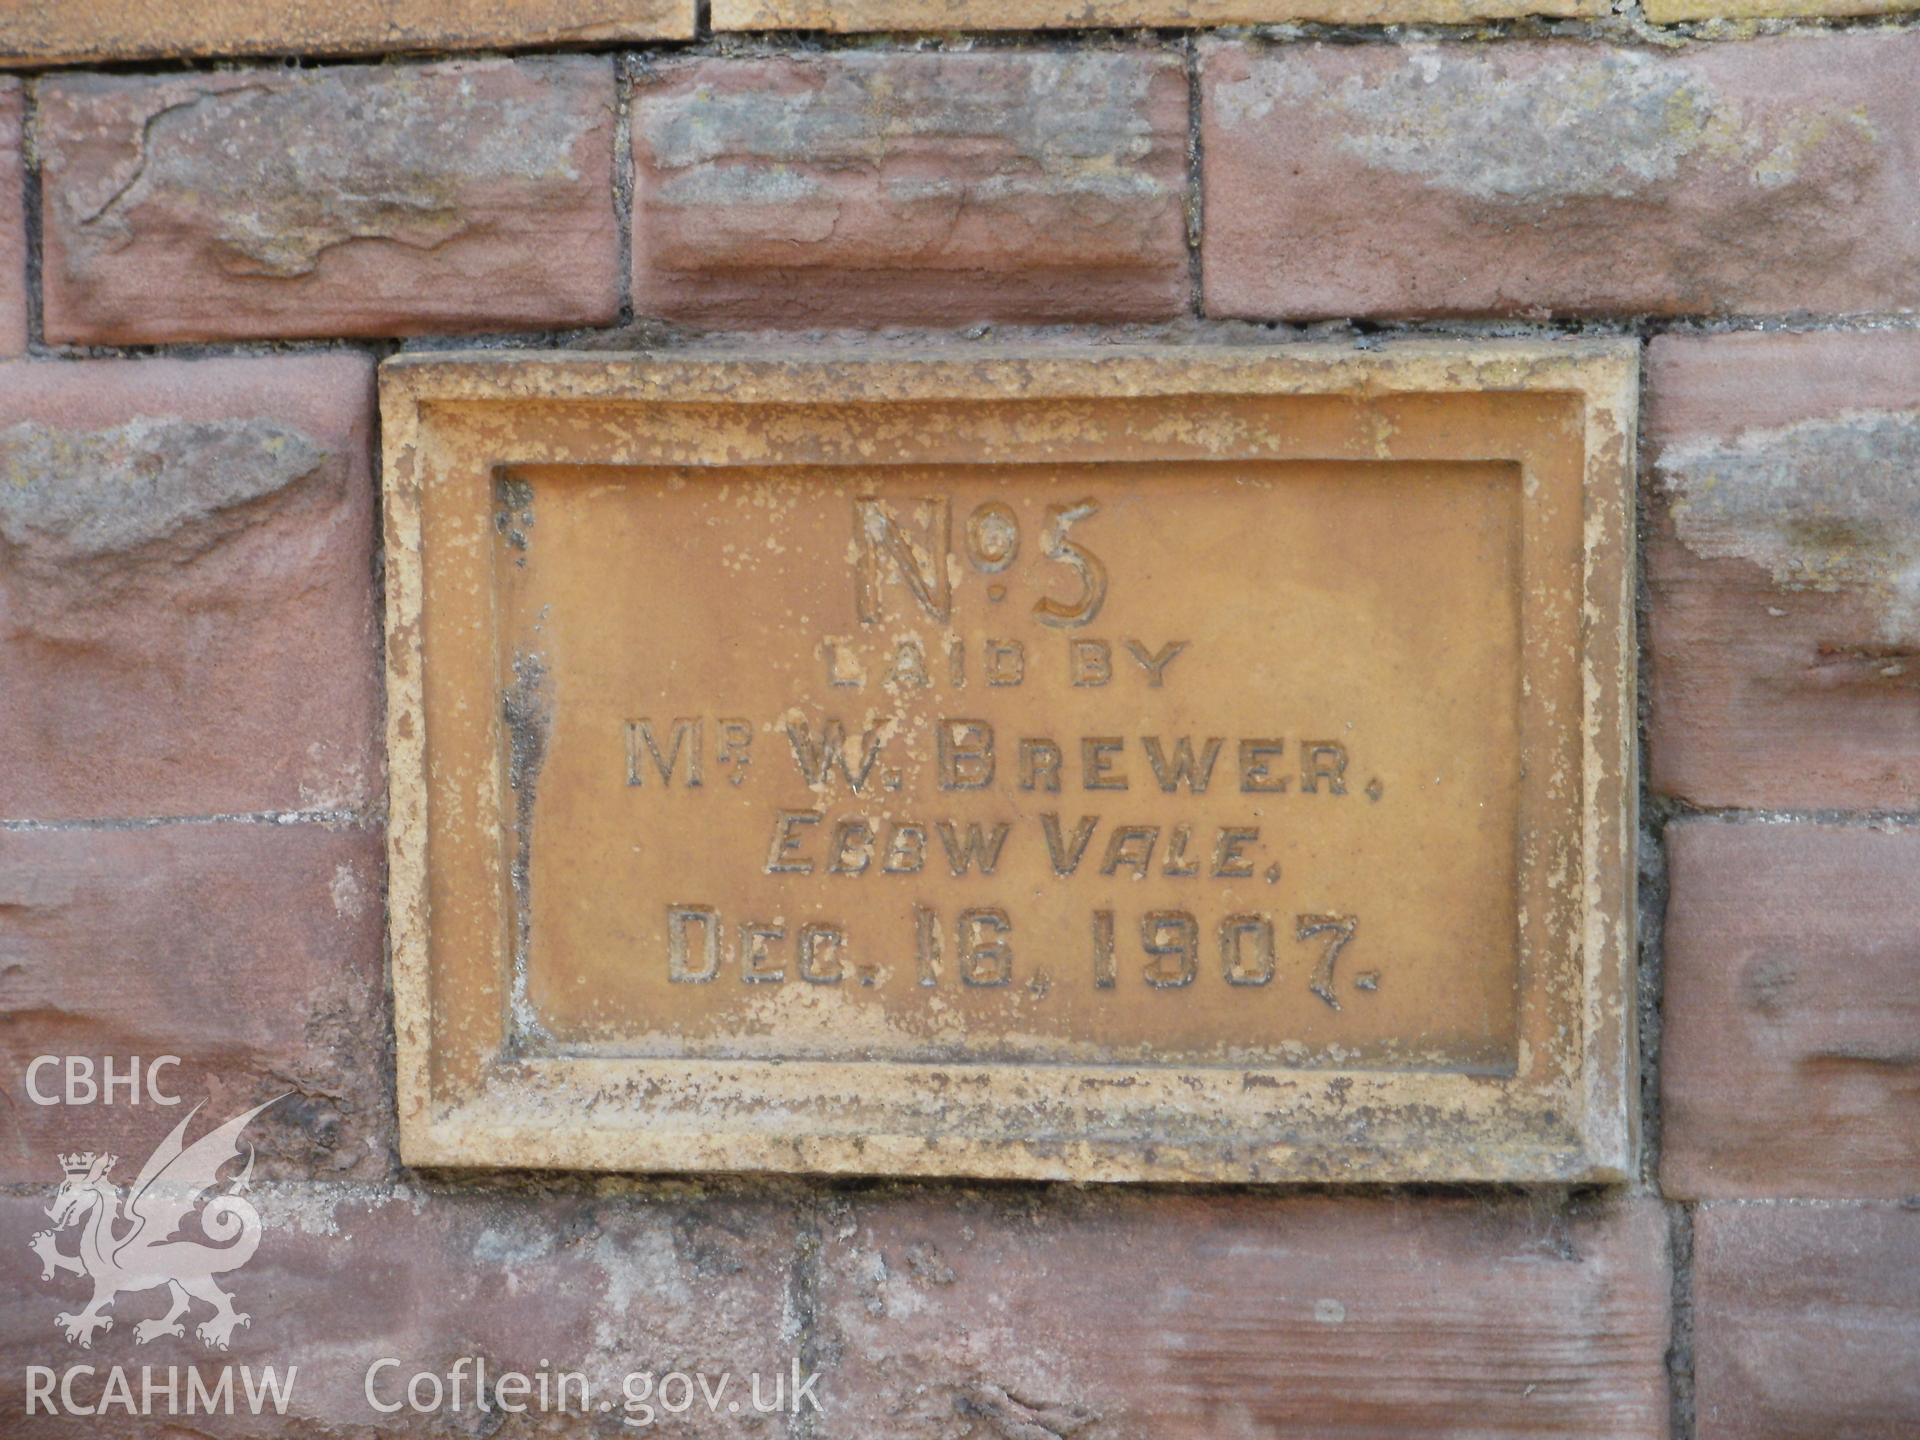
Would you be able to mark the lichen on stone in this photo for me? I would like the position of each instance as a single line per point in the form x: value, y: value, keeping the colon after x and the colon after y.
x: 1568, y: 127
x: 86, y: 494
x: 1830, y: 504
x: 1061, y: 121
x: 1607, y: 126
x: 294, y: 167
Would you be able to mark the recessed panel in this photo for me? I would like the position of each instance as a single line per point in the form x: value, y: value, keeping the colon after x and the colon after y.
x: 1201, y: 763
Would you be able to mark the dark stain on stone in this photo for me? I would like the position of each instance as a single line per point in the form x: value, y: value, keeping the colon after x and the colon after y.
x: 513, y: 512
x: 527, y: 716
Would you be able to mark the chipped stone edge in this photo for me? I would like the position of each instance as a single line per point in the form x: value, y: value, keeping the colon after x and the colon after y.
x: 546, y: 1125
x: 853, y: 17
x: 1679, y: 12
x: 406, y: 754
x: 119, y: 30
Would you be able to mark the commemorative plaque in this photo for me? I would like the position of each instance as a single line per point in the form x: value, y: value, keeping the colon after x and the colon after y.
x: 1168, y: 764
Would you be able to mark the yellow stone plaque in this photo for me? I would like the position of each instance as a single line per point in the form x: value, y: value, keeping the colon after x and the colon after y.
x: 1162, y: 764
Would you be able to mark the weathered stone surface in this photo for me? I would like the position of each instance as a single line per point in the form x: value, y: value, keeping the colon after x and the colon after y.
x: 1103, y: 1316
x: 252, y: 952
x: 13, y: 223
x: 1668, y: 12
x: 1784, y: 566
x: 350, y: 200
x: 1775, y: 176
x: 599, y: 1283
x: 1806, y: 1321
x: 854, y: 15
x: 1790, y: 1063
x: 856, y: 816
x: 186, y: 587
x: 854, y: 189
x: 42, y: 34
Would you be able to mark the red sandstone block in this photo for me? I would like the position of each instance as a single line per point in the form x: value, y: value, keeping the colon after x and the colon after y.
x: 1790, y: 1053
x: 187, y: 619
x: 1208, y: 1315
x: 1771, y: 176
x: 1785, y: 617
x: 13, y: 222
x: 861, y: 188
x: 345, y: 200
x: 602, y: 1284
x: 253, y: 952
x: 1806, y: 1322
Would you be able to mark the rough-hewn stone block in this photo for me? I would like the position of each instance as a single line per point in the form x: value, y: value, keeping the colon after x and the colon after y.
x: 603, y: 1284
x: 1775, y: 176
x: 1783, y: 567
x: 1201, y: 1316
x: 186, y: 587
x: 350, y: 200
x: 252, y: 952
x: 1806, y: 1321
x: 855, y: 15
x: 855, y: 189
x: 41, y: 34
x: 13, y: 222
x: 1790, y: 1060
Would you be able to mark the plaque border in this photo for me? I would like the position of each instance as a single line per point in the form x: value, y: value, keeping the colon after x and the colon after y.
x: 451, y: 420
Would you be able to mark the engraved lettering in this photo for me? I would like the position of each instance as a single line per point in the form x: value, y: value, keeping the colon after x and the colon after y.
x: 817, y: 758
x: 1103, y: 972
x: 1185, y: 768
x: 1235, y: 933
x: 852, y: 848
x: 757, y: 963
x: 1339, y: 930
x: 965, y: 753
x: 1006, y: 663
x: 843, y: 666
x: 736, y: 740
x: 1092, y: 572
x: 920, y: 562
x: 641, y: 741
x: 1096, y: 763
x: 1323, y: 760
x: 906, y: 850
x: 1156, y: 664
x: 1230, y: 862
x: 1256, y: 775
x: 988, y: 959
x: 909, y: 668
x: 976, y: 849
x: 1178, y: 864
x: 1064, y: 855
x: 815, y: 938
x: 1172, y: 939
x: 1131, y: 846
x: 1040, y: 766
x: 1089, y: 663
x: 926, y: 946
x: 787, y: 842
x: 993, y: 537
x: 679, y: 918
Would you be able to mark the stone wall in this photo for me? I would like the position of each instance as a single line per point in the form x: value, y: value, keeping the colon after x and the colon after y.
x: 202, y: 259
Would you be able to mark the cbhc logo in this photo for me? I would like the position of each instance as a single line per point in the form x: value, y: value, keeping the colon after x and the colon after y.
x: 79, y: 1081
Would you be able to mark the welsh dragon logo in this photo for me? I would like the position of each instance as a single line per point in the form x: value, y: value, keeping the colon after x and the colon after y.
x: 133, y: 1243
